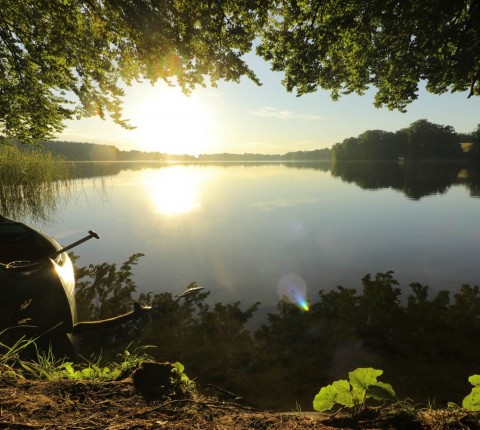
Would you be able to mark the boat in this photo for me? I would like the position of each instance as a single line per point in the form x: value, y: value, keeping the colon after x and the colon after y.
x: 37, y: 291
x: 37, y: 284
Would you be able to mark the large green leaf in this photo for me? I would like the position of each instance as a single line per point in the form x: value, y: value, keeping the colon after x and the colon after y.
x: 345, y: 396
x: 325, y: 399
x: 362, y: 378
x: 381, y: 391
x: 474, y: 380
x: 472, y: 401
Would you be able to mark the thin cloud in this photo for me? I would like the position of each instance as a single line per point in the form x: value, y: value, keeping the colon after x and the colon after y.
x: 271, y: 112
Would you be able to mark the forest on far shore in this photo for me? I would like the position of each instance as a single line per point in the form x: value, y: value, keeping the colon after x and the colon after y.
x: 81, y: 151
x: 422, y: 140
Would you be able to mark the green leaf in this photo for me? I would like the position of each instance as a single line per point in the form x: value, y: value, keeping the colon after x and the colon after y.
x: 344, y: 396
x: 68, y: 367
x: 474, y: 380
x: 325, y: 399
x: 114, y: 374
x: 472, y: 401
x: 381, y: 391
x: 88, y: 372
x: 179, y: 366
x: 362, y: 378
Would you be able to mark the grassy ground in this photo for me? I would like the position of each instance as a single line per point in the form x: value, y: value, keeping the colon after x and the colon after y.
x: 118, y: 405
x: 138, y: 393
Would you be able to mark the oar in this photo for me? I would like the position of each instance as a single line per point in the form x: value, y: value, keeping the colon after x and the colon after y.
x: 91, y: 234
x: 23, y: 265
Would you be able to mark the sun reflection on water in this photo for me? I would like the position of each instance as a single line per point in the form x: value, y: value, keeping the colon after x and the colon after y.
x: 174, y: 190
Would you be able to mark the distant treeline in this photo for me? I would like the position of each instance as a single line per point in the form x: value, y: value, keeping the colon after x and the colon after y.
x: 80, y: 151
x: 422, y: 140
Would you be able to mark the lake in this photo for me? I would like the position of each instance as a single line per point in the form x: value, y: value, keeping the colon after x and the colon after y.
x: 238, y: 230
x: 264, y: 233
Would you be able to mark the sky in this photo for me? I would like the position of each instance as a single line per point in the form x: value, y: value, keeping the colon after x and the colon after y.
x: 246, y: 118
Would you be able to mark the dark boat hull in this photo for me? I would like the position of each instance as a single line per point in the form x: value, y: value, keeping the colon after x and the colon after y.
x: 37, y: 294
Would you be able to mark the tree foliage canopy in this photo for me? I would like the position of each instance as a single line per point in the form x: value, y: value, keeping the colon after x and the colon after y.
x: 349, y: 45
x: 65, y: 59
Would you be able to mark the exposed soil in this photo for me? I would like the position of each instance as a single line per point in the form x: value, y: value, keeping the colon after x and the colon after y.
x: 144, y: 401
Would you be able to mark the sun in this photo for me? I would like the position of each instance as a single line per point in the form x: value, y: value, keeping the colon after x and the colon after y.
x: 167, y: 120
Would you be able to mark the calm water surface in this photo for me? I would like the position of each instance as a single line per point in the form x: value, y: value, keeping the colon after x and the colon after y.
x: 258, y: 232
x: 239, y: 230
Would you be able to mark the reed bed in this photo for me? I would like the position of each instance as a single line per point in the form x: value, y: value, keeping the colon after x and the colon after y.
x: 30, y: 181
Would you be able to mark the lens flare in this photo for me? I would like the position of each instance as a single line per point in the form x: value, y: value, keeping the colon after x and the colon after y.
x: 293, y: 289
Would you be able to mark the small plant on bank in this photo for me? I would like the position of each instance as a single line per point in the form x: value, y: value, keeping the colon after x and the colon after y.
x: 352, y: 394
x: 472, y: 401
x: 47, y: 366
x: 179, y: 369
x: 132, y: 360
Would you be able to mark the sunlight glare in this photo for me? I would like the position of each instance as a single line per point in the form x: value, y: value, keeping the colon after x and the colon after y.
x: 174, y: 190
x: 168, y: 121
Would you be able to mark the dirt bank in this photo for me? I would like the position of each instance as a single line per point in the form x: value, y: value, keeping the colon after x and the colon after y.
x: 132, y: 403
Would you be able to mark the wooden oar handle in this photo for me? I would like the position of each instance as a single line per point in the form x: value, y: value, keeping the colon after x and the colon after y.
x: 91, y: 234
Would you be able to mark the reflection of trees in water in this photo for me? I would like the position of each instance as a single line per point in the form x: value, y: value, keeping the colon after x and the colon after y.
x: 425, y: 179
x: 103, y: 291
x: 96, y: 169
x: 415, y: 180
x: 472, y: 181
x: 370, y: 175
x: 32, y: 189
x: 101, y: 169
x: 323, y: 166
x: 23, y: 195
x: 292, y: 354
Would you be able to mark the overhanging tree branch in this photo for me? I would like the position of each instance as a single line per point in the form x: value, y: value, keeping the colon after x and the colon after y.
x: 472, y: 86
x: 345, y: 46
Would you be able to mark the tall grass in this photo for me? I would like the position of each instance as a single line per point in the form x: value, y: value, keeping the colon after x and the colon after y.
x: 46, y: 365
x: 30, y: 181
x: 10, y: 354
